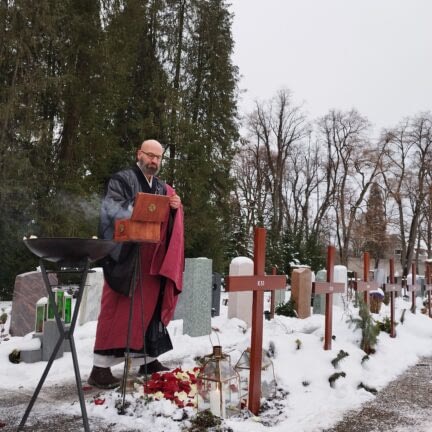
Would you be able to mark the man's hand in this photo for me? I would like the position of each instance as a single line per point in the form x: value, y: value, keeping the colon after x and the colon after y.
x: 174, y: 201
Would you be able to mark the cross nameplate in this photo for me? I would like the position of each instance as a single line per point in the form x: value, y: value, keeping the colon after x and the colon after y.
x: 391, y: 287
x: 255, y: 283
x: 363, y: 286
x: 412, y: 287
x: 428, y: 288
x: 328, y: 287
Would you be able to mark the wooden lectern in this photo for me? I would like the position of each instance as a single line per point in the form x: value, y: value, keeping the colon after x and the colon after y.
x: 144, y: 226
x: 145, y: 223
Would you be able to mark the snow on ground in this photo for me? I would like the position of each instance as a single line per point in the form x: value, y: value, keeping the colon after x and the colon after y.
x: 310, y: 403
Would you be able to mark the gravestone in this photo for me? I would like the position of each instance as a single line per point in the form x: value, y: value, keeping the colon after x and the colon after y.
x: 301, y: 291
x: 319, y: 299
x: 340, y: 275
x: 380, y: 276
x: 240, y: 303
x: 51, y: 336
x: 195, y: 302
x: 91, y: 298
x: 216, y: 294
x: 29, y: 288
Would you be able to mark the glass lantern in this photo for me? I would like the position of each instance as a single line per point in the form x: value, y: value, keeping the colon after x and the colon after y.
x: 268, y: 380
x: 218, y: 385
x: 41, y: 314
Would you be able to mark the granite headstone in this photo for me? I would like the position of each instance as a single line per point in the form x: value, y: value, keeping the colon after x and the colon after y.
x: 319, y: 300
x: 195, y: 302
x: 29, y: 288
x: 301, y: 291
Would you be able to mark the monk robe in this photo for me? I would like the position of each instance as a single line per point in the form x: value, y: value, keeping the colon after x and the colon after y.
x: 157, y: 288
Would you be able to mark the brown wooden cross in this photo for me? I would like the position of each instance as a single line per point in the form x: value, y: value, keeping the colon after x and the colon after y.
x: 412, y: 288
x: 258, y: 283
x: 365, y: 285
x: 392, y: 288
x: 428, y: 285
x: 328, y: 288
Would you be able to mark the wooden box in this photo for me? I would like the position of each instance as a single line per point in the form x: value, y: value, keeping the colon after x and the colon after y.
x: 145, y: 223
x: 129, y: 230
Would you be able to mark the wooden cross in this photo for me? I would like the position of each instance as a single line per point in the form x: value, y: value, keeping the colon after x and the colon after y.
x: 328, y: 288
x: 365, y: 285
x: 258, y: 283
x: 412, y: 288
x: 428, y: 285
x: 392, y: 288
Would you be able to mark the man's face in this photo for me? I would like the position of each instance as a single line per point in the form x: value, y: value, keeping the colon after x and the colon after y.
x: 150, y: 157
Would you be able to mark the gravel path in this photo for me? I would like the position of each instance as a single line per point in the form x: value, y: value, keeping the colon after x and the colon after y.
x: 403, y: 406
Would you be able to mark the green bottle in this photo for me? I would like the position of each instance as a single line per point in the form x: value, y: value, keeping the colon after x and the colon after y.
x: 67, y: 308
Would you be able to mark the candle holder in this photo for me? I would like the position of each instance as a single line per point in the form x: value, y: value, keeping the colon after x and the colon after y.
x: 218, y: 385
x: 268, y: 380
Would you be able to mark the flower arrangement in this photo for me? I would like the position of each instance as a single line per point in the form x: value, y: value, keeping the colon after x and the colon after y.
x: 178, y: 386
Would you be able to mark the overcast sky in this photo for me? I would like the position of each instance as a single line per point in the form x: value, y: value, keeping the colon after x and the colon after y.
x: 372, y: 55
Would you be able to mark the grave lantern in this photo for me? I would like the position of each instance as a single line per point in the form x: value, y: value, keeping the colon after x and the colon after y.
x: 218, y: 385
x: 268, y: 380
x: 41, y: 314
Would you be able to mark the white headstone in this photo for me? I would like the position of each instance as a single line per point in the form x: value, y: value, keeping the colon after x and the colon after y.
x: 90, y: 303
x: 340, y: 274
x: 380, y: 276
x: 240, y: 303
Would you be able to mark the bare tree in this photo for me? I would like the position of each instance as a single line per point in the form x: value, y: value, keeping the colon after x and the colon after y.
x: 405, y: 172
x: 276, y: 126
x: 351, y: 166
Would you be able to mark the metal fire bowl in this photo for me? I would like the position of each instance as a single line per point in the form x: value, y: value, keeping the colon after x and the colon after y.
x: 69, y: 249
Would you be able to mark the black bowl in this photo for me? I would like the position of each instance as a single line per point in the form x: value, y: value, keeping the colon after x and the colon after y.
x: 69, y: 249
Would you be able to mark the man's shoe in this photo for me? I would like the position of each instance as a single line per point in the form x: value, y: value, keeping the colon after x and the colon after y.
x: 154, y: 366
x: 103, y: 378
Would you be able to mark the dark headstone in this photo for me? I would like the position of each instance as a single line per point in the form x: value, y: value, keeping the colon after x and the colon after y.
x: 29, y: 288
x: 216, y: 293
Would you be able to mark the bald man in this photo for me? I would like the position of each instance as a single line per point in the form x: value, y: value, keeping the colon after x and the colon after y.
x: 160, y: 281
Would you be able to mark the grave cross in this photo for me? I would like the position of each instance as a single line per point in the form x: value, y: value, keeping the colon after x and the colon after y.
x: 428, y: 284
x: 258, y: 283
x: 391, y: 288
x: 365, y: 285
x: 412, y: 288
x: 328, y: 288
